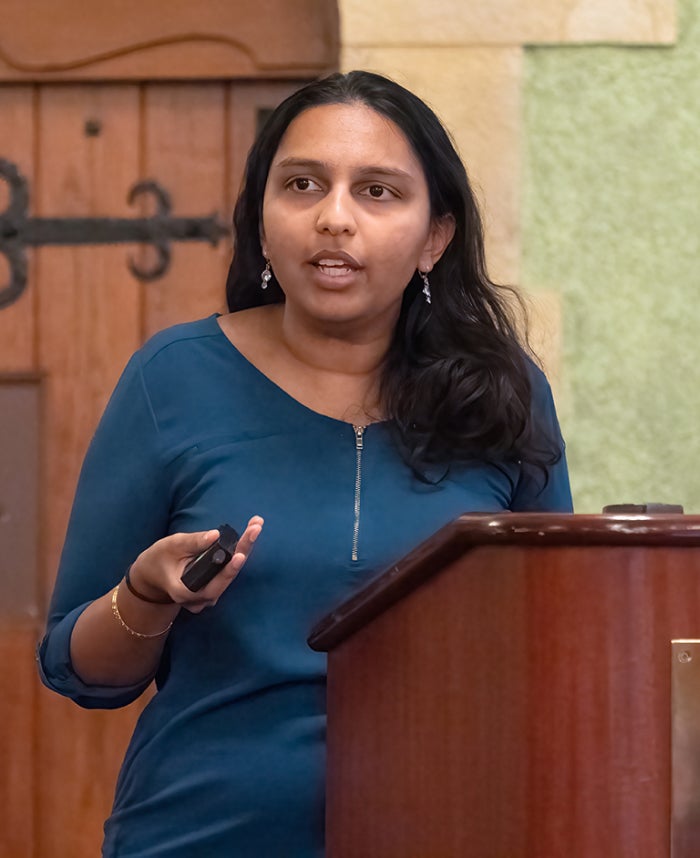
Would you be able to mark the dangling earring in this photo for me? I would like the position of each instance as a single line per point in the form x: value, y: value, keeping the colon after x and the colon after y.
x: 266, y: 276
x: 426, y: 286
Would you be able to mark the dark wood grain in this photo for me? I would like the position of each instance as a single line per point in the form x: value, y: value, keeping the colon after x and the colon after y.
x: 516, y: 704
x: 469, y: 531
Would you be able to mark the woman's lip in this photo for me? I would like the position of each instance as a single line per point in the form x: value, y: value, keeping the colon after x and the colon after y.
x: 335, y: 258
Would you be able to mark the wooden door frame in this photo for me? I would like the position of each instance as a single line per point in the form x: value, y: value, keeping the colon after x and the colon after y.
x: 159, y: 40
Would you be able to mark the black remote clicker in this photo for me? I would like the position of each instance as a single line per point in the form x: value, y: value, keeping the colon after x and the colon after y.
x: 200, y: 570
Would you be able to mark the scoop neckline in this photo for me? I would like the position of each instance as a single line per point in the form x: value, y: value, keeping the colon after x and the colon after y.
x: 282, y: 392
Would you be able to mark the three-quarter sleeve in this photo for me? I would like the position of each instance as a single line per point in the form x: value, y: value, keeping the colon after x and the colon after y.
x: 120, y: 508
x: 544, y: 488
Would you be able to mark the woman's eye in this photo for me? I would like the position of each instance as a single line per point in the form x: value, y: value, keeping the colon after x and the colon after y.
x: 379, y: 192
x: 301, y: 183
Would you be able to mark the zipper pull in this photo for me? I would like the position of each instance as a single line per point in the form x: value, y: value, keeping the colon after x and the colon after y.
x: 359, y: 432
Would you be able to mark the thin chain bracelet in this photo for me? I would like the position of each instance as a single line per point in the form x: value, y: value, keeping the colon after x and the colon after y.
x: 118, y: 617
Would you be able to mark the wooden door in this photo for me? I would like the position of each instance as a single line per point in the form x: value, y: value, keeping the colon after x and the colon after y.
x: 89, y: 105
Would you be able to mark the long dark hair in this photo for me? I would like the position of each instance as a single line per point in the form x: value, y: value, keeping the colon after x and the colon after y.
x: 456, y: 381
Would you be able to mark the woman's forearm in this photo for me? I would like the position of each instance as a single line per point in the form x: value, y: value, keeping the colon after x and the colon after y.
x: 119, y: 641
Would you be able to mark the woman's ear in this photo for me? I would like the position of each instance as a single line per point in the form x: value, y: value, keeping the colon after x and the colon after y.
x: 442, y: 230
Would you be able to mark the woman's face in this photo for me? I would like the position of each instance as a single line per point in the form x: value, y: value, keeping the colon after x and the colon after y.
x: 346, y: 216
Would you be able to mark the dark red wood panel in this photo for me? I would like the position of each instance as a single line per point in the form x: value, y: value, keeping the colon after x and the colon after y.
x: 515, y: 704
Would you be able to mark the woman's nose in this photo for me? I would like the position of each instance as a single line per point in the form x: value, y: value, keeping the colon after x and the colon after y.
x: 335, y: 214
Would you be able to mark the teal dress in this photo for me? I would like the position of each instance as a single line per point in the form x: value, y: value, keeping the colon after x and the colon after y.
x: 227, y: 759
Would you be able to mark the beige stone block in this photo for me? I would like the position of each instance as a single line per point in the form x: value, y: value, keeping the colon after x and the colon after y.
x: 477, y: 94
x: 545, y: 323
x: 506, y: 22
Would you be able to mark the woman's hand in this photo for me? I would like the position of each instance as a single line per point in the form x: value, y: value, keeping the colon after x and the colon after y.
x: 119, y: 638
x: 157, y: 571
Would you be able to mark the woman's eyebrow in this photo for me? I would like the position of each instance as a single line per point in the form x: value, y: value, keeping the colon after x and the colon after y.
x: 369, y: 170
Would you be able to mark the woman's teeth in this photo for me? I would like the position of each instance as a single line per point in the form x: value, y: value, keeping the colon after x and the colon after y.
x: 333, y: 269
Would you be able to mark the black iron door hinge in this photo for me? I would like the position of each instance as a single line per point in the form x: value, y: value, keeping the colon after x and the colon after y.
x: 19, y: 231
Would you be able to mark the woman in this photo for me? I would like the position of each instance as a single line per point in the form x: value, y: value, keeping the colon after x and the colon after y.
x: 366, y: 388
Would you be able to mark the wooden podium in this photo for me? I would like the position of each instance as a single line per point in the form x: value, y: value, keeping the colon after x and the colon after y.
x: 505, y: 691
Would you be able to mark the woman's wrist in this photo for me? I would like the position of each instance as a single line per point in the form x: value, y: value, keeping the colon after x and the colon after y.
x: 147, y: 617
x: 127, y: 628
x: 160, y: 598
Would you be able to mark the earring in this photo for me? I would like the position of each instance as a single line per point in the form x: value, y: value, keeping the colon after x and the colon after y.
x: 266, y: 276
x: 426, y: 286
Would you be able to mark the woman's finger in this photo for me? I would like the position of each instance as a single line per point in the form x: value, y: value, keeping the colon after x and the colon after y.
x: 184, y: 546
x: 209, y: 594
x: 250, y: 534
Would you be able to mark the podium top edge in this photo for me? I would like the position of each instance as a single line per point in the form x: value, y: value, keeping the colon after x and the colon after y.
x: 476, y: 530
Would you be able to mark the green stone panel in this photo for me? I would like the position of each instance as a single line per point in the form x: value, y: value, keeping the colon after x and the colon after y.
x: 611, y: 219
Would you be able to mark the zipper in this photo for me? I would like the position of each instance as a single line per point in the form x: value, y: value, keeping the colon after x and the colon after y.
x: 359, y: 444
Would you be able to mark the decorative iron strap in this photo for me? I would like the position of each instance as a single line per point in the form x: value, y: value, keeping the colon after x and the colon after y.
x: 18, y: 231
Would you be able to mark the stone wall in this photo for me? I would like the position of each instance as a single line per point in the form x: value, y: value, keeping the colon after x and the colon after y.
x: 610, y: 224
x: 532, y: 92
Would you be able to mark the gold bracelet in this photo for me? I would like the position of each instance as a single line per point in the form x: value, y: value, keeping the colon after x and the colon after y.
x: 118, y: 617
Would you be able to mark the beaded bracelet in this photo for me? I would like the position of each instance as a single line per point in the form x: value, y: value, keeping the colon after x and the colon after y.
x: 119, y: 619
x: 134, y: 592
